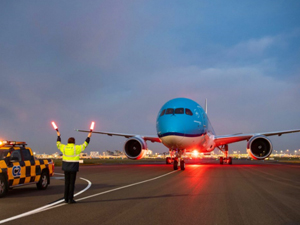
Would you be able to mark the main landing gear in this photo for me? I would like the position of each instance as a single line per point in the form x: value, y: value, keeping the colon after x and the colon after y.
x: 169, y: 160
x: 226, y: 159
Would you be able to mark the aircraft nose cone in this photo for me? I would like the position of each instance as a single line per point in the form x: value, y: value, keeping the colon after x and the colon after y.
x: 170, y: 125
x: 172, y: 141
x: 171, y: 130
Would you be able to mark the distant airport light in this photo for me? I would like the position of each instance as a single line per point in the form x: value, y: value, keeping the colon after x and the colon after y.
x: 54, y: 126
x: 92, y: 126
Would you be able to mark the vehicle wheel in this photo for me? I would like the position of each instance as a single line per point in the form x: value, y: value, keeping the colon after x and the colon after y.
x: 43, y: 182
x: 175, y: 164
x: 230, y: 160
x: 3, y: 186
x: 221, y: 160
x: 182, y: 165
x: 168, y: 160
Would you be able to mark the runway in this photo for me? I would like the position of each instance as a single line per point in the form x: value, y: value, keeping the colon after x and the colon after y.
x: 247, y: 192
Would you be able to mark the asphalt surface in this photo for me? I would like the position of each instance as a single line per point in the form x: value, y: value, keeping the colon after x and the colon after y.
x: 247, y: 192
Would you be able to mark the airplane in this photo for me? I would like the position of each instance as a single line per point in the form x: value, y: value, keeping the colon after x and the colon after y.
x: 183, y: 126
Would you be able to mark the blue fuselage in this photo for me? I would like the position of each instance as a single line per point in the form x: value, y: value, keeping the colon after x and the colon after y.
x: 183, y: 124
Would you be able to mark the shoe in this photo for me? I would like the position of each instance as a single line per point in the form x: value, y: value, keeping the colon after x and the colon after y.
x: 72, y: 201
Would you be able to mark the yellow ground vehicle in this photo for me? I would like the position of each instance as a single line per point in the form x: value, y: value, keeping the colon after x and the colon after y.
x: 18, y: 166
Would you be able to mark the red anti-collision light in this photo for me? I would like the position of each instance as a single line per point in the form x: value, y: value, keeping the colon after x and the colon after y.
x: 195, y: 153
x: 54, y: 126
x: 92, y: 126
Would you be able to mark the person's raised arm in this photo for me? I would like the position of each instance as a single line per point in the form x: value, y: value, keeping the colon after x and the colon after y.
x: 58, y: 136
x: 90, y: 134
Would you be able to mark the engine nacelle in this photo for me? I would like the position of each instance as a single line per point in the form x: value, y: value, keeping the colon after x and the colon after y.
x: 259, y: 147
x: 135, y: 148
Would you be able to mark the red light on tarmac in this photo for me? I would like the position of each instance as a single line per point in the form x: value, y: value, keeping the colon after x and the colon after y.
x: 54, y: 126
x: 196, y: 165
x: 92, y: 126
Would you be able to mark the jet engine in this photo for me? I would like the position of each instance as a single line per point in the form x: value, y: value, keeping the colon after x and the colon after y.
x: 259, y: 147
x: 135, y: 148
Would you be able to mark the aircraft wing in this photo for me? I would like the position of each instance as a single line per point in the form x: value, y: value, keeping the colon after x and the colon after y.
x: 227, y: 139
x: 146, y: 138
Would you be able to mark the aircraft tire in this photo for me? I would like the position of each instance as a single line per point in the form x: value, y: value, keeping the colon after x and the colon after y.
x: 230, y: 160
x: 182, y: 165
x: 168, y: 160
x: 221, y: 160
x: 175, y: 164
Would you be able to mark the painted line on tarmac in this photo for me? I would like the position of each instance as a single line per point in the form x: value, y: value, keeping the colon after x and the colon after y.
x: 115, y: 189
x: 56, y: 204
x: 112, y: 190
x: 126, y: 186
x: 48, y: 206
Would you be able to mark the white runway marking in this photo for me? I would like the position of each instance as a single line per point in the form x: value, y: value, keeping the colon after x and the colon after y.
x: 56, y: 204
x: 126, y: 186
x: 48, y: 206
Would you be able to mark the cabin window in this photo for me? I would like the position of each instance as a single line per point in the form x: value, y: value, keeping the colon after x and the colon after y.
x: 170, y: 111
x: 163, y: 112
x: 179, y: 111
x: 188, y: 112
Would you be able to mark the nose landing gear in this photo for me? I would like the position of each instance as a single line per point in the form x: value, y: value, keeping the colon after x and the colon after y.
x: 175, y: 164
x: 182, y: 164
x: 178, y: 161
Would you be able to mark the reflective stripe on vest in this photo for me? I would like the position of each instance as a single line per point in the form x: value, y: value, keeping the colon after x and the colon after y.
x: 71, y: 160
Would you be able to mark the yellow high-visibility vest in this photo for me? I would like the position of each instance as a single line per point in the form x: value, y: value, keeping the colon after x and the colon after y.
x: 71, y: 152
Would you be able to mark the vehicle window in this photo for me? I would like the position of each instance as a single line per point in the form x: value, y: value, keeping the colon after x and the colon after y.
x: 170, y: 111
x: 179, y: 111
x: 188, y: 112
x: 16, y: 154
x: 163, y: 112
x: 3, y: 154
x: 26, y: 154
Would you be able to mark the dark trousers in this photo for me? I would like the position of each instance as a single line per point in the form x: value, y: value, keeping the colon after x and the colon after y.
x: 70, y: 178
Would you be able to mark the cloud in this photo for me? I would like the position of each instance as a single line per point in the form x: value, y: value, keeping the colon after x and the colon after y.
x: 253, y: 47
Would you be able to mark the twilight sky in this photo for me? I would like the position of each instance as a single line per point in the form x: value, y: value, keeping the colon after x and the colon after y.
x: 117, y: 62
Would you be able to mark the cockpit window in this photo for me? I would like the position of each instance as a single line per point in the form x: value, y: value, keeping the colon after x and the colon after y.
x: 170, y: 111
x: 179, y: 111
x: 163, y: 112
x: 188, y: 112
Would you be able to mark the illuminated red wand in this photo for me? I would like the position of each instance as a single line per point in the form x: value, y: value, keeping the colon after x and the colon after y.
x: 92, y: 126
x: 54, y: 126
